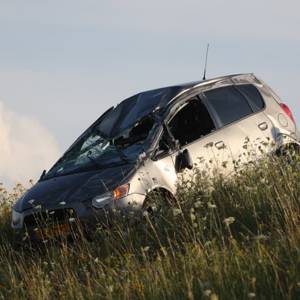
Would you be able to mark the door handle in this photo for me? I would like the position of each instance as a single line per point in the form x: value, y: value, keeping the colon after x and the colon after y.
x: 220, y: 145
x: 263, y: 126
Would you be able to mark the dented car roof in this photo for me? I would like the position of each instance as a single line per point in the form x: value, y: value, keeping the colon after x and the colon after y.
x: 135, y: 108
x: 131, y: 110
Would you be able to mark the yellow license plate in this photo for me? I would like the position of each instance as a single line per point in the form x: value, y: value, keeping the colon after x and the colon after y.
x: 53, y: 232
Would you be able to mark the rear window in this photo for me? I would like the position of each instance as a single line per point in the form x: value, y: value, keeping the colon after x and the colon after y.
x: 254, y: 97
x: 229, y: 104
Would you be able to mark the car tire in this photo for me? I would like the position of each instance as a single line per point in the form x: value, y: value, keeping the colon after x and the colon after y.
x: 158, y: 201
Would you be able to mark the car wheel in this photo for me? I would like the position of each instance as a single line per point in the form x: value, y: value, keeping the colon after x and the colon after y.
x: 157, y: 203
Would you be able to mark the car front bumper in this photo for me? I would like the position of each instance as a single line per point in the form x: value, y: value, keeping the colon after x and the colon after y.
x: 32, y: 221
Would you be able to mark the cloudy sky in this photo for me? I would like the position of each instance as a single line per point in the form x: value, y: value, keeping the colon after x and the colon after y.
x: 62, y: 63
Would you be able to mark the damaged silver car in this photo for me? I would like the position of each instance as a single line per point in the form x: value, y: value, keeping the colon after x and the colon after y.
x: 142, y: 145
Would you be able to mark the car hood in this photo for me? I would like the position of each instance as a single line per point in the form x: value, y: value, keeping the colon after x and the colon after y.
x: 72, y: 188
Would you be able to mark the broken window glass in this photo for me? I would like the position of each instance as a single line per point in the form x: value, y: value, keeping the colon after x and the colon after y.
x: 191, y: 122
x: 119, y: 135
x: 93, y: 150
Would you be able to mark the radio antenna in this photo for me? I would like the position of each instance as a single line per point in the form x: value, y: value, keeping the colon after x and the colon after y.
x: 205, y: 66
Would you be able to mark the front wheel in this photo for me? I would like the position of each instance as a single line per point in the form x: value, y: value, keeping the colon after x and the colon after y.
x: 157, y: 203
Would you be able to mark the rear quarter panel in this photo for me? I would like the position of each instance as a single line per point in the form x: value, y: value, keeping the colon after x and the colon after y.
x: 273, y: 110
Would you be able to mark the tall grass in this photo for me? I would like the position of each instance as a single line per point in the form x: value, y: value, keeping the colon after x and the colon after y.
x: 235, y: 238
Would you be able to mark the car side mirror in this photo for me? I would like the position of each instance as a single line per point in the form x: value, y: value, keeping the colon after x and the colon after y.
x: 183, y: 161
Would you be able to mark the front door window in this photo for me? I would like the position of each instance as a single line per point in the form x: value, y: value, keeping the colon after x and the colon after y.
x: 191, y: 122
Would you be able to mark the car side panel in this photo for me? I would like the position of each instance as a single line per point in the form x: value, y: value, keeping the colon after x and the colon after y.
x: 210, y: 155
x: 249, y: 138
x: 154, y: 174
x: 281, y: 122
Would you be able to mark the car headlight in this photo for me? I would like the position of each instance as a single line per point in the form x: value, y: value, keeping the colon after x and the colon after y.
x: 118, y: 193
x: 16, y: 219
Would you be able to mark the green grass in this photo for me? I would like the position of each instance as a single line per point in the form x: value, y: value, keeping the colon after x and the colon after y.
x: 228, y: 239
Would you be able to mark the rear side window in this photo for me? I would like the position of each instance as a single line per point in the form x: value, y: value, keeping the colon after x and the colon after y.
x: 254, y: 97
x: 229, y: 104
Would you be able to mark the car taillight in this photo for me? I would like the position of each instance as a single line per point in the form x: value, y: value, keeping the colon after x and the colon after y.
x: 287, y: 111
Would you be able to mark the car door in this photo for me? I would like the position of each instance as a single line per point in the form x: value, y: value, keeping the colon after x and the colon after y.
x: 192, y: 126
x: 242, y: 121
x: 259, y: 117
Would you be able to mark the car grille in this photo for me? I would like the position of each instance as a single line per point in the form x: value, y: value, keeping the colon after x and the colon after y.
x: 51, y: 217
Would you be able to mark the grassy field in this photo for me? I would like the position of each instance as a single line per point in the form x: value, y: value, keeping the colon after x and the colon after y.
x: 227, y: 239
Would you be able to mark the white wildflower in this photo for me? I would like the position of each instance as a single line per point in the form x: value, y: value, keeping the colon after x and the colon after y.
x: 110, y: 288
x: 154, y: 208
x: 211, y: 205
x: 176, y: 212
x: 197, y: 204
x: 260, y: 237
x: 207, y: 244
x: 264, y: 180
x: 229, y: 221
x: 207, y: 292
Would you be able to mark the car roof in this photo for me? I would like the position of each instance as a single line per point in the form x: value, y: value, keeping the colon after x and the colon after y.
x: 135, y: 108
x: 173, y: 91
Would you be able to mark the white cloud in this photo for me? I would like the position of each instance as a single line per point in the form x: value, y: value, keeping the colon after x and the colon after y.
x: 26, y: 148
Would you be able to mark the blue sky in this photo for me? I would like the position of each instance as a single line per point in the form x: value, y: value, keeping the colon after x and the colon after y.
x: 62, y: 63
